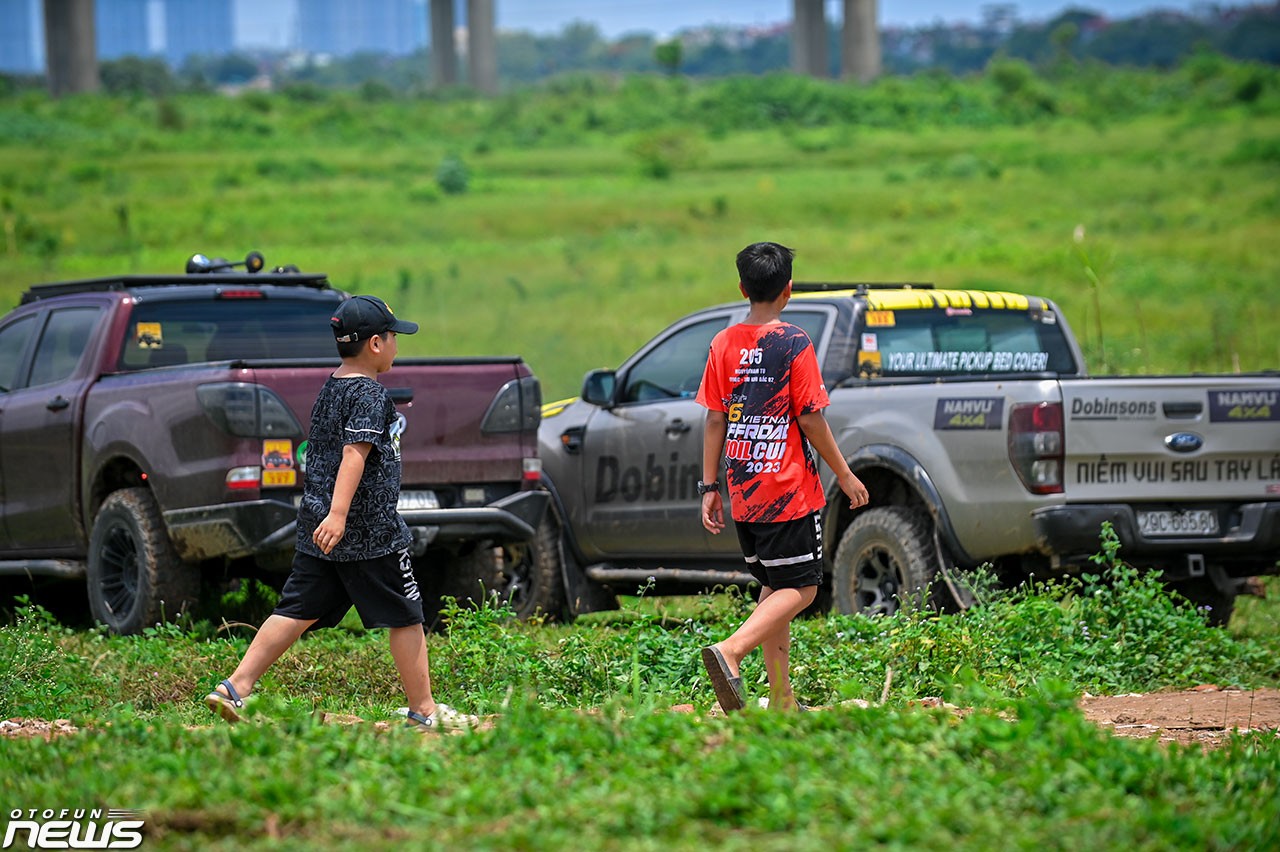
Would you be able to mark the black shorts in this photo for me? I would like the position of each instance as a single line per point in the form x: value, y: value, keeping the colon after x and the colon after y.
x: 783, y: 554
x: 383, y: 590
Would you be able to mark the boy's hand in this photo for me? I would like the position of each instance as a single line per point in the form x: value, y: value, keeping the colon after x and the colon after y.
x: 330, y: 532
x: 713, y: 512
x: 853, y: 488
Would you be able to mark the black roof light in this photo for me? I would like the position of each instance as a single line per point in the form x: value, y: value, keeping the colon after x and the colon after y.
x: 199, y: 263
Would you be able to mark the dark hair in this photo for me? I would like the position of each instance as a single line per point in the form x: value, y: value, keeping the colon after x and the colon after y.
x: 351, y: 348
x: 764, y: 270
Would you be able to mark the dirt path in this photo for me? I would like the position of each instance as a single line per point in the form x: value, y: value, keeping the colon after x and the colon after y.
x: 1204, y: 715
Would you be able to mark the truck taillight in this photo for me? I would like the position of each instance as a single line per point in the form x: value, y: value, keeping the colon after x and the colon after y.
x: 533, y: 469
x: 248, y: 410
x: 243, y: 477
x: 517, y: 407
x: 1036, y: 446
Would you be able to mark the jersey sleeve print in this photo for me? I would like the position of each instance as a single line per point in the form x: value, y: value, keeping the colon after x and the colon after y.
x: 713, y: 394
x: 808, y: 393
x: 365, y: 418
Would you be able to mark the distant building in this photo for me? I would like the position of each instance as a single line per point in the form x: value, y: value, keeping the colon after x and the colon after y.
x: 198, y: 28
x: 21, y: 31
x: 122, y: 28
x: 344, y: 27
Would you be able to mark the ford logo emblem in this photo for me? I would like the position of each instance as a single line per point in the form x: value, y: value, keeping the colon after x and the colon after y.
x: 1184, y: 442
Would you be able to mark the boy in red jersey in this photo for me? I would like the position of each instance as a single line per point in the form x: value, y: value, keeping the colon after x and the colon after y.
x: 764, y: 396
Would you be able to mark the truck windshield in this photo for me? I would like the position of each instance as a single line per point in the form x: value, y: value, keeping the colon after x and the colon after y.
x: 959, y: 341
x: 162, y: 334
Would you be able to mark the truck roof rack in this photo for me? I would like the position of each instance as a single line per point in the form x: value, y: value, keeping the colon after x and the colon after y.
x: 860, y: 286
x: 199, y: 270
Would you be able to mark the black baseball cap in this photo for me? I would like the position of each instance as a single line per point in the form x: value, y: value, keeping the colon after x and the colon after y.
x: 361, y: 317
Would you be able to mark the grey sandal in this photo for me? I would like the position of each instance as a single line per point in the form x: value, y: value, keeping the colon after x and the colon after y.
x: 229, y: 706
x: 728, y: 688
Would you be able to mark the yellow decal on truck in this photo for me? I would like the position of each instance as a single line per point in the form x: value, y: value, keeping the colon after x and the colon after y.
x: 551, y: 409
x: 277, y: 463
x: 148, y: 335
x: 905, y: 300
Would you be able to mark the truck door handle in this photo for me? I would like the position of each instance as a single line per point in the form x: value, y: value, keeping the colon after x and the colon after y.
x: 58, y: 403
x: 1182, y: 410
x: 677, y: 427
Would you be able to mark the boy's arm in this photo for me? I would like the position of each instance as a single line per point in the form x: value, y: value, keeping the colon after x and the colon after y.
x: 815, y: 428
x: 713, y: 435
x: 334, y: 526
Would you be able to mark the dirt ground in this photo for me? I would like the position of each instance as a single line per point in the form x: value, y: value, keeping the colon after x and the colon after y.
x: 1204, y: 715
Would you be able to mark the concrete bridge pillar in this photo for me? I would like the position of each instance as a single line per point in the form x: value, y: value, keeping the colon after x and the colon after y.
x: 444, y: 56
x: 860, y: 42
x: 71, y: 55
x: 482, y: 46
x: 809, y: 38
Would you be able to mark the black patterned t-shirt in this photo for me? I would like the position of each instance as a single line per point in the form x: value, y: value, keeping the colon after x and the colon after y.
x: 352, y: 411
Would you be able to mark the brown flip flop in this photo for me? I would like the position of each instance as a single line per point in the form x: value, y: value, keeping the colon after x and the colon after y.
x: 728, y: 688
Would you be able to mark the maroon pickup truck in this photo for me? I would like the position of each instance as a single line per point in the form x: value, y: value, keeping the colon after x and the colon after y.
x: 153, y: 440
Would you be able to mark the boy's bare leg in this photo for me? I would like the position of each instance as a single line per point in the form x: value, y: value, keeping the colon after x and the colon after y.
x: 774, y: 613
x: 276, y: 635
x: 777, y: 665
x: 409, y: 650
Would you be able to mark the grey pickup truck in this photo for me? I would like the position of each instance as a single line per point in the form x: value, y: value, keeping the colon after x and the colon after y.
x: 970, y: 417
x: 153, y: 433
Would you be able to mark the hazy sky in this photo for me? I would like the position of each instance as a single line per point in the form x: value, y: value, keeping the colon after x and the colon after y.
x: 666, y: 16
x: 270, y: 22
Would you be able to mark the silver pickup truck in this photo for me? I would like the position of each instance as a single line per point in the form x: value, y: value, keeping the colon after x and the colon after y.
x: 971, y: 419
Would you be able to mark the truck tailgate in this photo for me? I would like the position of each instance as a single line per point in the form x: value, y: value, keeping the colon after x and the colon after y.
x: 444, y: 402
x: 1186, y: 439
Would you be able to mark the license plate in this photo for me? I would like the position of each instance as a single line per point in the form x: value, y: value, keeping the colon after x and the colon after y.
x: 279, y: 478
x: 410, y: 500
x: 1189, y: 522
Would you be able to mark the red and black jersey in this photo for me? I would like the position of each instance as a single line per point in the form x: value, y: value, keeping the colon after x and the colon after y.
x: 764, y: 377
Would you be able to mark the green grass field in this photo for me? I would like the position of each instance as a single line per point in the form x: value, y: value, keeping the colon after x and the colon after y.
x: 583, y: 749
x: 595, y: 212
x: 566, y: 249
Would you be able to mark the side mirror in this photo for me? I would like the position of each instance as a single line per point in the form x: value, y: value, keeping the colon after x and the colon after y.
x: 598, y: 387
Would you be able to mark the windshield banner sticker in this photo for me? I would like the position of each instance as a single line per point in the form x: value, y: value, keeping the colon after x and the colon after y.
x: 969, y: 413
x: 965, y: 362
x: 1244, y: 406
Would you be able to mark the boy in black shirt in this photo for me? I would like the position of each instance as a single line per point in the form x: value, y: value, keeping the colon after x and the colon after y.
x: 351, y: 546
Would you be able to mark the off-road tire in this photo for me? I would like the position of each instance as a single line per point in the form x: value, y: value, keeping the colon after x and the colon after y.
x: 1203, y: 594
x: 886, y: 560
x: 135, y: 579
x: 531, y: 573
x: 470, y: 576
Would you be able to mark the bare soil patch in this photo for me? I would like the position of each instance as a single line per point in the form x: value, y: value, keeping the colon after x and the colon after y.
x: 1203, y: 715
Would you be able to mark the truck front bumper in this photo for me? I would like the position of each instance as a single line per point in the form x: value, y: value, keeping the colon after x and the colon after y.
x: 1249, y: 544
x: 234, y: 530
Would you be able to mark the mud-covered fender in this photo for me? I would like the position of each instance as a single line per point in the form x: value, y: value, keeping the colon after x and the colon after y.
x: 904, y: 466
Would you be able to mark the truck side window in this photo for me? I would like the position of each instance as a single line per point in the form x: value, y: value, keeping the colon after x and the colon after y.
x: 814, y: 323
x: 62, y: 344
x: 13, y: 344
x: 673, y: 368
